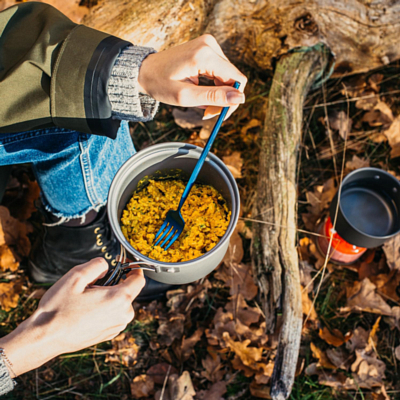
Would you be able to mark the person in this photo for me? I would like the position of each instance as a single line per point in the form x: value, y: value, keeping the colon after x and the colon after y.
x: 67, y: 93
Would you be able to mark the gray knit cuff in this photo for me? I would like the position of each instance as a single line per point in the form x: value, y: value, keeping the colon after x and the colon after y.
x: 126, y: 102
x: 6, y: 383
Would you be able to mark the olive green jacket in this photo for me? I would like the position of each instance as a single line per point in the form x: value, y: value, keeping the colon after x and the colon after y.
x: 54, y: 72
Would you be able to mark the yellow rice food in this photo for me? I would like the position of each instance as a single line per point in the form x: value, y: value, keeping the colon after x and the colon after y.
x: 205, y: 213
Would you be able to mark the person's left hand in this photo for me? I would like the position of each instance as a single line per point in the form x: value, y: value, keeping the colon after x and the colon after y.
x: 172, y: 77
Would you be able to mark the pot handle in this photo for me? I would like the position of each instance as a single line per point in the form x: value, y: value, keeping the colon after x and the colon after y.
x: 147, y: 266
x: 114, y: 275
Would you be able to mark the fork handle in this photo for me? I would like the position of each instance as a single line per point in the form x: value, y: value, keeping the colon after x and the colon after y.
x: 204, y: 153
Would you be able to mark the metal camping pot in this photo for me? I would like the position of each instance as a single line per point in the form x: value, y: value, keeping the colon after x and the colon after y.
x: 173, y: 160
x: 369, y: 207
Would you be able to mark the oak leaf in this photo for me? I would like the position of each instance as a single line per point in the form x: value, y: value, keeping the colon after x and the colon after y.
x: 242, y: 311
x: 362, y: 296
x: 212, y: 368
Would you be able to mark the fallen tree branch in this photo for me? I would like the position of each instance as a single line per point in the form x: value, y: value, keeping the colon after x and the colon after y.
x: 274, y: 254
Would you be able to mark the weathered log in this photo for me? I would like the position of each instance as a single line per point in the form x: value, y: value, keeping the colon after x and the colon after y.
x: 275, y: 259
x: 157, y: 24
x: 363, y: 34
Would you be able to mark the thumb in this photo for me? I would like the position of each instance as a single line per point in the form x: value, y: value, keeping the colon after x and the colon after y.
x: 221, y: 96
x: 133, y: 284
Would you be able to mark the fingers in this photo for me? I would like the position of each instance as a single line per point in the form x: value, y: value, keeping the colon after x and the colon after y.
x: 212, y: 111
x: 190, y: 95
x: 83, y: 275
x: 133, y: 284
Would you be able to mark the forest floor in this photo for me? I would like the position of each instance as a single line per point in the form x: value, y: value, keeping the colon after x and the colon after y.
x: 207, y: 339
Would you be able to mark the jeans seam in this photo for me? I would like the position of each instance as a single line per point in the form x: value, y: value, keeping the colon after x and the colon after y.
x: 87, y: 171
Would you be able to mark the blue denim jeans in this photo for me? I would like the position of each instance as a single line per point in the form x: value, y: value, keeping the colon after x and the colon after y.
x: 74, y: 170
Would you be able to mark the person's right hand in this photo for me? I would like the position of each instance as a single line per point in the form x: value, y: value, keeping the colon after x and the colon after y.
x: 72, y: 315
x: 172, y: 77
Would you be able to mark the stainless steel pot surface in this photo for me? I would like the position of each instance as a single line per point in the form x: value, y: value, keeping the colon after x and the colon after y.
x: 175, y: 160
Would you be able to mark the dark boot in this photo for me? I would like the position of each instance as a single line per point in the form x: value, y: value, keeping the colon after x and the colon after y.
x: 59, y: 248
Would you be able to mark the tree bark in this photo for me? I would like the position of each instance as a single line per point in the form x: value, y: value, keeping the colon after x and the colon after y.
x: 363, y: 34
x: 274, y: 255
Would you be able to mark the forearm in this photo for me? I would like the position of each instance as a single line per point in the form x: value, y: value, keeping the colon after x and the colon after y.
x: 29, y: 346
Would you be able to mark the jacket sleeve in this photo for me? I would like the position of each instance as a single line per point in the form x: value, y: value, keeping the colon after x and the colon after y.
x: 54, y: 72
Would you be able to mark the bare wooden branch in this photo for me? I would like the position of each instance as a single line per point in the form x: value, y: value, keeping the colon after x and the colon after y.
x: 274, y: 254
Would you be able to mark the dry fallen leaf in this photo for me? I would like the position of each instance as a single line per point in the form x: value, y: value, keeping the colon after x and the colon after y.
x: 260, y: 391
x: 124, y: 350
x: 181, y: 388
x: 159, y: 372
x: 170, y: 328
x: 369, y: 370
x: 374, y: 81
x: 340, y: 121
x: 323, y: 360
x: 185, y: 350
x: 8, y: 260
x: 216, y: 391
x: 249, y: 125
x: 368, y: 100
x: 234, y: 162
x: 142, y: 386
x: 391, y: 248
x: 249, y: 356
x: 9, y: 294
x: 356, y: 163
x: 334, y: 337
x: 362, y: 296
x: 212, y: 368
x: 307, y: 305
x: 339, y: 357
x: 306, y: 279
x: 397, y: 352
x: 235, y: 251
x: 319, y: 200
x: 238, y: 277
x: 388, y: 285
x: 358, y: 339
x: 393, y: 135
x: 242, y: 311
x: 380, y: 115
x: 14, y: 232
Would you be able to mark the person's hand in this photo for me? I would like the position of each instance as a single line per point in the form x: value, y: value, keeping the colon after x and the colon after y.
x: 172, y: 76
x: 73, y: 315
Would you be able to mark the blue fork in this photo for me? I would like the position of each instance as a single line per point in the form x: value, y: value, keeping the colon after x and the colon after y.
x: 174, y: 222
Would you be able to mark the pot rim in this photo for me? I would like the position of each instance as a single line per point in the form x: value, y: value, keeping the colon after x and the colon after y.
x: 126, y: 167
x: 371, y: 169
